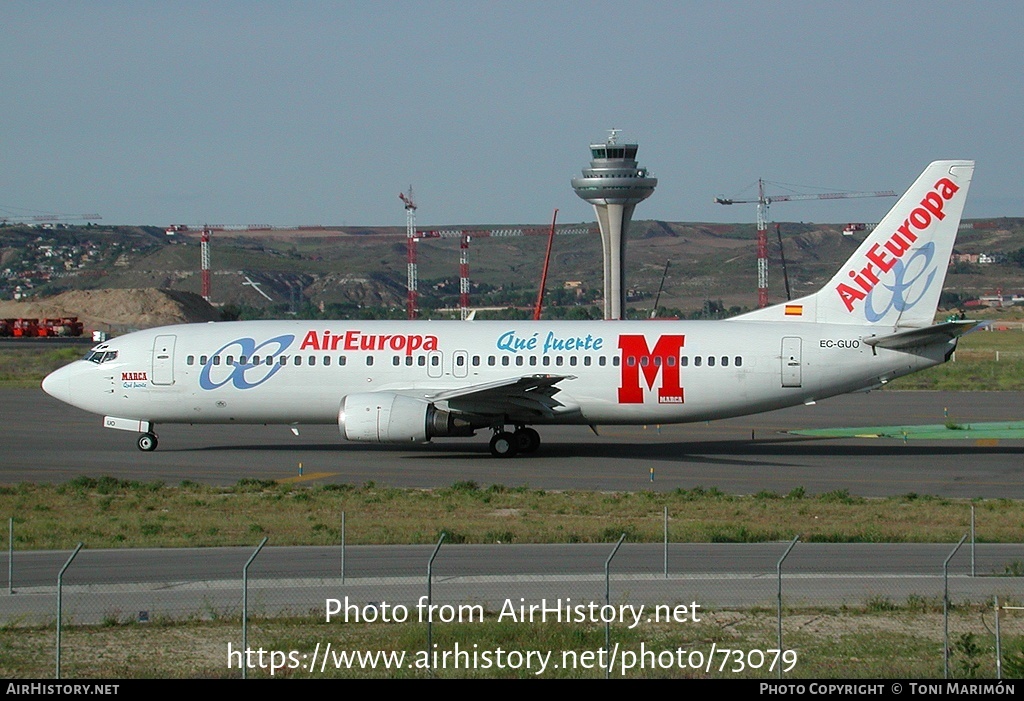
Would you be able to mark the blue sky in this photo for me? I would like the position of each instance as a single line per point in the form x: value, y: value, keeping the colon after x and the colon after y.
x: 292, y: 113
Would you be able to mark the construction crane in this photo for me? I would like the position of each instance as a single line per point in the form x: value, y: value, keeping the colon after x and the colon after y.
x: 204, y: 262
x: 763, y: 202
x: 48, y: 218
x: 410, y: 236
x: 466, y: 235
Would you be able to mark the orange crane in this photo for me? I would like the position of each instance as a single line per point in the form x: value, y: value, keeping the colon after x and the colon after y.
x: 763, y: 202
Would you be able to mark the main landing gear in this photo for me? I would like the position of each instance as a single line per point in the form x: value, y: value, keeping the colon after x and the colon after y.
x: 506, y: 444
x: 147, y: 442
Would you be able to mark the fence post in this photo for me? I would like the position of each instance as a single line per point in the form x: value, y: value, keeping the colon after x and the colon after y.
x: 342, y: 547
x: 999, y: 647
x: 945, y: 609
x: 60, y: 603
x: 608, y: 601
x: 665, y: 554
x: 778, y: 572
x: 430, y: 595
x: 245, y: 607
x: 974, y: 540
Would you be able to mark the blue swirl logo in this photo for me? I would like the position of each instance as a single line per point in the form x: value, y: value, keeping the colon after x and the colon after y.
x: 901, y: 283
x: 248, y: 375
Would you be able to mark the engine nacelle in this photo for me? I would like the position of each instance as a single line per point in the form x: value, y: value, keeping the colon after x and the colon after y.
x: 385, y: 417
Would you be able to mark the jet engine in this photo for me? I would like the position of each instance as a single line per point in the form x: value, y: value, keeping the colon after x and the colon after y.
x: 385, y: 417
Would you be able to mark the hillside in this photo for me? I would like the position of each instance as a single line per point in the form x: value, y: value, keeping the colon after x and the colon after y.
x: 362, y: 270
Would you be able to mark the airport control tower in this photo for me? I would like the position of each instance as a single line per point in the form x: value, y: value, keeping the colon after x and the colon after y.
x: 614, y: 184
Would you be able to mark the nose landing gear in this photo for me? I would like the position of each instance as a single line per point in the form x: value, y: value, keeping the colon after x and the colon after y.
x: 147, y: 442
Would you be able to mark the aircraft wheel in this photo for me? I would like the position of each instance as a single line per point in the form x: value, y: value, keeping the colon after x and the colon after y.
x: 527, y: 440
x: 504, y: 445
x: 147, y: 442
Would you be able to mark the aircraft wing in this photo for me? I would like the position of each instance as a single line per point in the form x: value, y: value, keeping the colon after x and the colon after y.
x: 529, y: 396
x: 913, y: 338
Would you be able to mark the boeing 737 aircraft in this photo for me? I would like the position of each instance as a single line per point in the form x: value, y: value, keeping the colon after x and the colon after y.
x: 408, y: 382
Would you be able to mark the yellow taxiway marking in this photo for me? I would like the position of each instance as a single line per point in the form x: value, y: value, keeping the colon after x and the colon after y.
x: 305, y: 478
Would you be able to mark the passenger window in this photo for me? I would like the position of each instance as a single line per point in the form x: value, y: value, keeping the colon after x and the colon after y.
x: 395, y: 360
x: 490, y: 360
x: 408, y: 361
x: 725, y: 361
x: 369, y: 360
x: 298, y: 360
x: 711, y: 361
x: 476, y: 361
x: 460, y: 360
x: 341, y: 360
x: 421, y: 361
x: 601, y: 360
x: 327, y: 360
x: 615, y: 361
x: 282, y: 360
x: 519, y: 360
x: 739, y: 361
x: 190, y: 360
x: 546, y: 360
x: 203, y: 359
x: 505, y: 360
x: 435, y: 360
x: 312, y: 360
x: 586, y: 360
x: 684, y: 361
x: 216, y: 360
x: 697, y: 361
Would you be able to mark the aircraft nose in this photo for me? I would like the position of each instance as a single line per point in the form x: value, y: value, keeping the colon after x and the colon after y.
x: 57, y: 385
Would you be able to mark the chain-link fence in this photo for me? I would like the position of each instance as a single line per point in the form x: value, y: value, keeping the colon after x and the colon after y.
x: 680, y: 609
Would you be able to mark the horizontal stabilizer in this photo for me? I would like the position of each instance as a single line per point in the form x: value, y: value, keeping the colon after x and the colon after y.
x: 929, y: 335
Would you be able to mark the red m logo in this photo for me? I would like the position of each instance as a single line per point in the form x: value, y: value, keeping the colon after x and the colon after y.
x: 637, y: 358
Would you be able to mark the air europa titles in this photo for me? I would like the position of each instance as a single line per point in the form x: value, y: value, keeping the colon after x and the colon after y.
x: 355, y: 341
x: 881, y: 259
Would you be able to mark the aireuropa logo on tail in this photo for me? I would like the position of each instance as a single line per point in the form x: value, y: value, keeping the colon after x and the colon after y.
x: 891, y: 257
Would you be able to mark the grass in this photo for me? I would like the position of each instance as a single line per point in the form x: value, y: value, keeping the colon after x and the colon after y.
x: 106, y: 512
x: 975, y: 366
x: 898, y: 642
x: 26, y: 367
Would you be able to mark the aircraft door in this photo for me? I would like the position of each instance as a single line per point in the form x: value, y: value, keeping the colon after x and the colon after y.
x: 460, y: 363
x: 163, y: 360
x: 791, y: 362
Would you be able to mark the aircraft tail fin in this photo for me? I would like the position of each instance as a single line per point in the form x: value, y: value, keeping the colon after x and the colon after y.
x: 895, y: 276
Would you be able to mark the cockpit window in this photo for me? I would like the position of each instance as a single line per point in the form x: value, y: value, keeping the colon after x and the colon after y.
x: 101, y: 356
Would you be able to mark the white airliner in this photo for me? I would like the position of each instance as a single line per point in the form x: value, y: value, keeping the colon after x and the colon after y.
x: 408, y: 382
